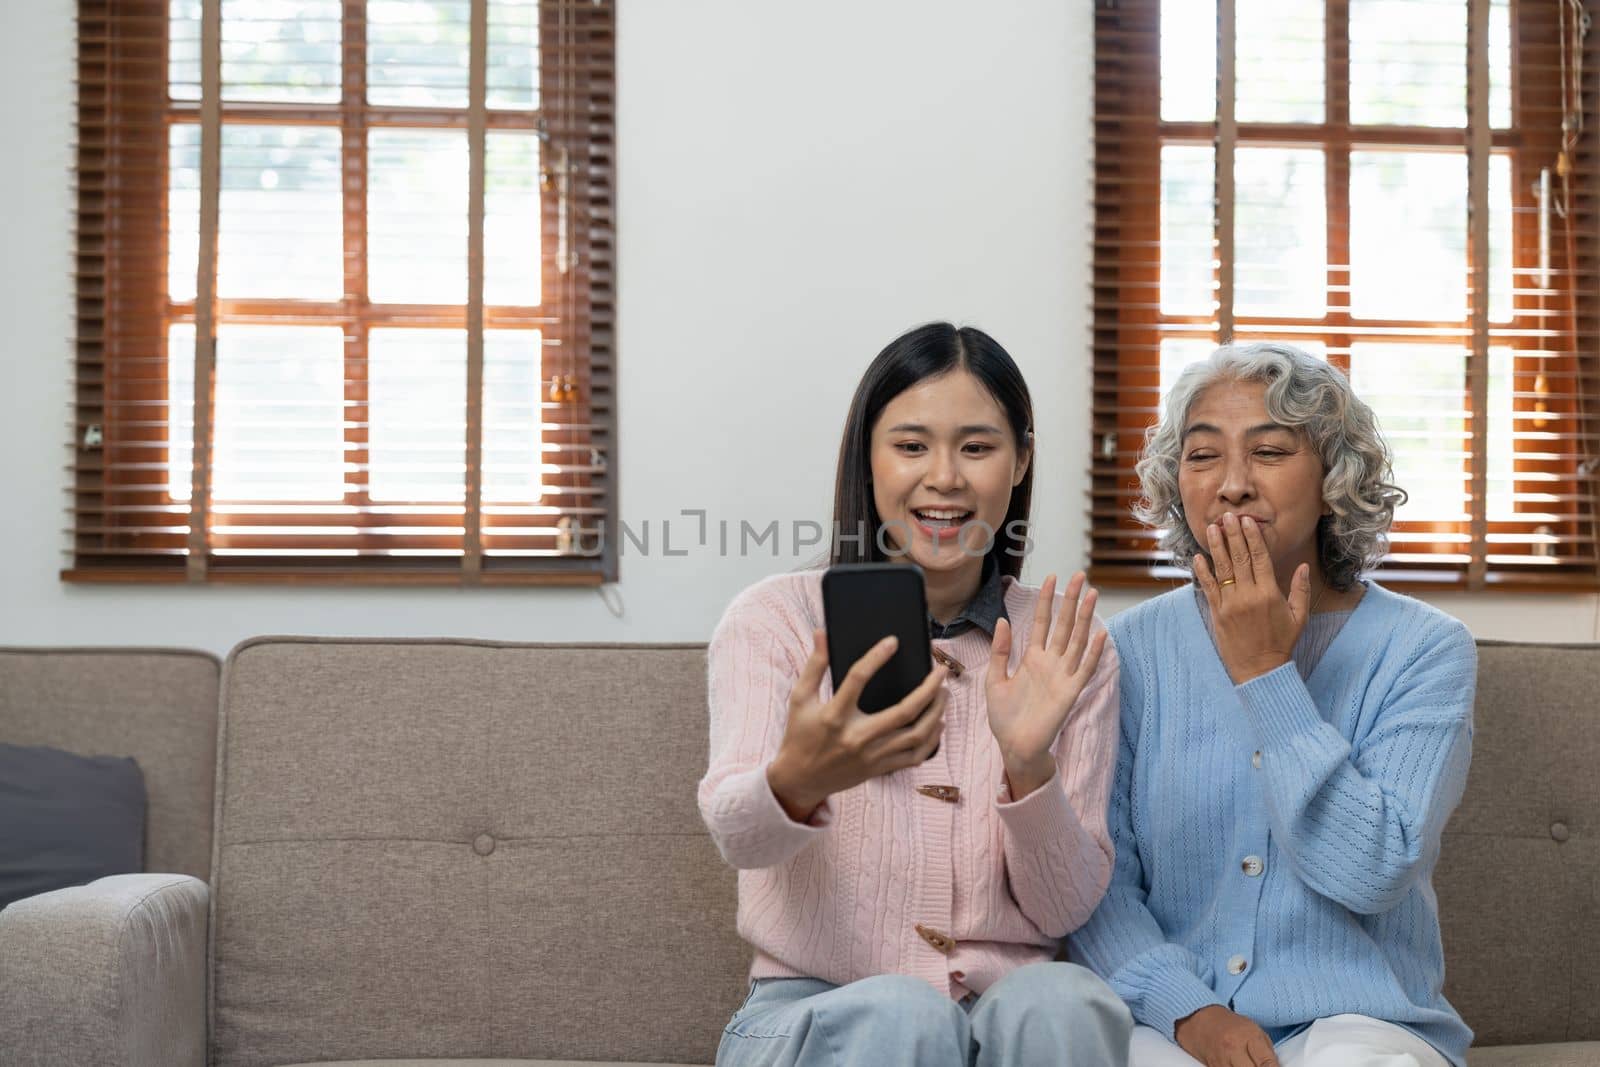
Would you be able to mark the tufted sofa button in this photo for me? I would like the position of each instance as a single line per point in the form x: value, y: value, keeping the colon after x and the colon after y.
x: 483, y: 844
x: 1559, y: 831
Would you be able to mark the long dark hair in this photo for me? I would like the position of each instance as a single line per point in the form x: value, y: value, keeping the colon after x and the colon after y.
x: 927, y: 352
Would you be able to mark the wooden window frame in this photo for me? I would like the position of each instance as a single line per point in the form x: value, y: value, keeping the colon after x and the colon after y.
x: 123, y: 522
x: 1129, y: 325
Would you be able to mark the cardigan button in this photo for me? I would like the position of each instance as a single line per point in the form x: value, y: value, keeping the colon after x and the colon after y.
x: 1559, y: 831
x: 483, y: 844
x: 1237, y: 964
x: 1252, y: 866
x: 947, y: 793
x: 942, y: 942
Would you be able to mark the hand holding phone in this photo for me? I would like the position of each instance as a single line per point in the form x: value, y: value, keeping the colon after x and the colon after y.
x: 834, y: 745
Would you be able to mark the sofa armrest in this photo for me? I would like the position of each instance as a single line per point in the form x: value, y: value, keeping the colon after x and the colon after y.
x: 113, y: 973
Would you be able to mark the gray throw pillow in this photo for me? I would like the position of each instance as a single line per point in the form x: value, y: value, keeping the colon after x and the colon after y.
x: 66, y: 819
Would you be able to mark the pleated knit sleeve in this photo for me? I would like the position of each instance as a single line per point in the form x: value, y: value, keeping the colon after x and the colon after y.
x: 1161, y: 982
x: 1360, y: 822
x: 755, y: 655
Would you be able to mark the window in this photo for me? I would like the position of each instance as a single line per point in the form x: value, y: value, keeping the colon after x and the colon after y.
x: 1385, y: 183
x: 345, y: 294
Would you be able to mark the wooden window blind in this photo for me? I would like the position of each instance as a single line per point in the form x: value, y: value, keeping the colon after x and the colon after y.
x: 1406, y: 188
x: 345, y: 292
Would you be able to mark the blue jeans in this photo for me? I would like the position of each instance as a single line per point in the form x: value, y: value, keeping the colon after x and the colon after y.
x: 1050, y: 1014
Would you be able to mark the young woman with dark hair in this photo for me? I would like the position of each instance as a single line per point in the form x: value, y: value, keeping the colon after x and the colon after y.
x: 906, y: 877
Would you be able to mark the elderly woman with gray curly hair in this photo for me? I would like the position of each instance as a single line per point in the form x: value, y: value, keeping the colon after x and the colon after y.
x: 1294, y: 737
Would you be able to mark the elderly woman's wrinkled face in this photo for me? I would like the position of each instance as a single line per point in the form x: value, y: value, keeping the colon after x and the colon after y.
x: 1235, y: 458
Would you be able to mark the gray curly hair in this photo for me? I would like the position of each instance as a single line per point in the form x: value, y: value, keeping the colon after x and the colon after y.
x: 1304, y: 393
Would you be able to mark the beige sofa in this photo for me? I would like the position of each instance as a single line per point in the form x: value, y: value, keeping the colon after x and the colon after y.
x: 453, y: 852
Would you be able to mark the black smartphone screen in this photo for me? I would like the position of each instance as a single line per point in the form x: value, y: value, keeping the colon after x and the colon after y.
x: 865, y: 602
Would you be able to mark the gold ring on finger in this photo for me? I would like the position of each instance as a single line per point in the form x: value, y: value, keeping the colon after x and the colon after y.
x: 1227, y: 581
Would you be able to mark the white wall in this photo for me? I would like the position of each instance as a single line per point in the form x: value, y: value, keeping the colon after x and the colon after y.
x: 798, y: 183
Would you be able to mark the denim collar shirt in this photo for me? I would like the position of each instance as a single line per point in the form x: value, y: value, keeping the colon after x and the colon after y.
x: 984, y: 610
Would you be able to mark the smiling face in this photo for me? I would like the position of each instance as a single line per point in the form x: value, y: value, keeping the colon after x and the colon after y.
x: 944, y: 460
x: 1236, y: 458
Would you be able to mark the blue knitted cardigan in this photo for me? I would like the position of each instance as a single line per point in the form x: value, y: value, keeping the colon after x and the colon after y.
x: 1275, y: 841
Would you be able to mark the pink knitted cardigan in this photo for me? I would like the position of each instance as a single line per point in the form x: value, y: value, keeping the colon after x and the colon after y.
x: 842, y: 896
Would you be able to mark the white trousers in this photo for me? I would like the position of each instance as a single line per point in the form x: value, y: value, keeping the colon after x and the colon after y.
x: 1337, y: 1041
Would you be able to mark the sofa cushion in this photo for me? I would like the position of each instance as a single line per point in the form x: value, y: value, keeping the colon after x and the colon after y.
x: 1562, y: 1054
x: 409, y: 828
x: 158, y: 706
x: 1518, y: 879
x: 69, y: 819
x: 456, y: 848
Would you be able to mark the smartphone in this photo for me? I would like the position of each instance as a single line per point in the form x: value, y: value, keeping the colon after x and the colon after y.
x: 862, y: 604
